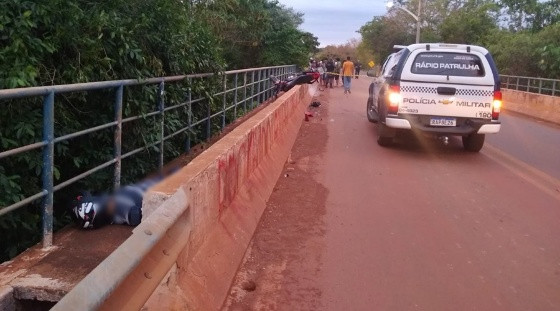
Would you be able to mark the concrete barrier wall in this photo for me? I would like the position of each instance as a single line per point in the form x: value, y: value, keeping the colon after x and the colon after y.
x: 539, y: 106
x: 198, y: 222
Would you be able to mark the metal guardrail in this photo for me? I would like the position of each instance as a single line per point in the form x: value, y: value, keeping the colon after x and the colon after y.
x: 531, y: 84
x: 251, y: 84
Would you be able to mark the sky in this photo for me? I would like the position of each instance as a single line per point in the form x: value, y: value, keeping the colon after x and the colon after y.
x: 336, y: 21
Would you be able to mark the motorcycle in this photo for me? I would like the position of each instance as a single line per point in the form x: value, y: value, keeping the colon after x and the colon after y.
x: 306, y: 77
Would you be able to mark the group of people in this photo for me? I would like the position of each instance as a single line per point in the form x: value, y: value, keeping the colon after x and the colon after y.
x: 332, y: 70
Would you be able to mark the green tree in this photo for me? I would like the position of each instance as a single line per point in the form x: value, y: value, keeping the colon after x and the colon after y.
x: 257, y: 32
x: 522, y: 35
x: 531, y: 15
x: 468, y: 24
x: 382, y: 33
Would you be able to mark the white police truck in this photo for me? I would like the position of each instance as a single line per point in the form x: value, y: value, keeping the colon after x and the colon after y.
x: 443, y: 89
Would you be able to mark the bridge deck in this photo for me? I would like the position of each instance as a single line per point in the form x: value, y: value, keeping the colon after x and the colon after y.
x: 354, y: 226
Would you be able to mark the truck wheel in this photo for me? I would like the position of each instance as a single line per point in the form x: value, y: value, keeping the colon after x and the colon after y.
x: 384, y: 135
x: 371, y: 115
x: 473, y: 142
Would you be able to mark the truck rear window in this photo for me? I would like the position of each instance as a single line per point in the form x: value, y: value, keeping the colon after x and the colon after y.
x: 448, y: 64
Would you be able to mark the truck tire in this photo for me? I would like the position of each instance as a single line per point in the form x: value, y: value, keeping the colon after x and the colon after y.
x: 371, y: 114
x: 473, y: 142
x: 385, y: 135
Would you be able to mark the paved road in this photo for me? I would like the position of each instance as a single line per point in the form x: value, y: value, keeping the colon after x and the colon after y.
x: 419, y: 226
x: 534, y: 142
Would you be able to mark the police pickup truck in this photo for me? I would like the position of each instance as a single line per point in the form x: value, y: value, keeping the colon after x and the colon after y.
x: 443, y: 89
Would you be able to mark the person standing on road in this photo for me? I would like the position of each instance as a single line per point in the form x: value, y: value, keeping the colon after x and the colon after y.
x: 330, y: 72
x: 347, y: 73
x: 358, y: 68
x: 337, y: 67
x: 321, y: 71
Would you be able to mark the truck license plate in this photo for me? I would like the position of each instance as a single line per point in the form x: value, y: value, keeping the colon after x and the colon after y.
x: 443, y: 122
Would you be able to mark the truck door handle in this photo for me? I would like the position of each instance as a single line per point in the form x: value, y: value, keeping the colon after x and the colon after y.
x: 446, y: 90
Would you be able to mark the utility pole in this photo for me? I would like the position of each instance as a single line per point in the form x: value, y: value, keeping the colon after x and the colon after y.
x: 390, y: 4
x: 418, y: 21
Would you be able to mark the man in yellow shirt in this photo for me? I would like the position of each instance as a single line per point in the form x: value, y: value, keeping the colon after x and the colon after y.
x: 347, y: 73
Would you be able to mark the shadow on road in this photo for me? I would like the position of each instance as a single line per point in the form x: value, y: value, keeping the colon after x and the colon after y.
x: 419, y: 143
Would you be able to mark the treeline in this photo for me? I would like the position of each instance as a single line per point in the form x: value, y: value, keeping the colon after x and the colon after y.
x: 522, y: 35
x: 353, y: 48
x: 47, y: 42
x: 339, y: 50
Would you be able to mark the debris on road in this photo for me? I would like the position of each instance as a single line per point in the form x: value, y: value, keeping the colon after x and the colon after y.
x: 315, y: 104
x: 291, y: 160
x: 249, y: 286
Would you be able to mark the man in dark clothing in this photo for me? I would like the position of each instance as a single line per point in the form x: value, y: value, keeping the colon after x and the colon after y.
x: 357, y: 68
x: 330, y: 66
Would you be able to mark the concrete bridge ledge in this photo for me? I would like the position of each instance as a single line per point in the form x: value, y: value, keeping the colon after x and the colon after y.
x: 539, y: 106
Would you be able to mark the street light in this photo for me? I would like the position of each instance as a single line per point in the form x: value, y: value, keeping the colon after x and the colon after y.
x: 390, y: 4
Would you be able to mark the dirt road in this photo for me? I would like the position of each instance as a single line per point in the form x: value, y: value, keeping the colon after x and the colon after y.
x: 418, y: 226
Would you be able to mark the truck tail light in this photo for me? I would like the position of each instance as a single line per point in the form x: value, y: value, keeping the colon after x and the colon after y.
x: 496, y: 105
x: 394, y: 99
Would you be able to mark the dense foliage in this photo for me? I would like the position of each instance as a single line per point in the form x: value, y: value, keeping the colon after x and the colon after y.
x: 258, y: 32
x: 46, y: 42
x: 523, y: 35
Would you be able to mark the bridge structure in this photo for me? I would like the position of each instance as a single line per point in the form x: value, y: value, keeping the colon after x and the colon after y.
x: 285, y: 213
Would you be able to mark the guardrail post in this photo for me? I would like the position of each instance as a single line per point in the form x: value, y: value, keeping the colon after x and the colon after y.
x: 270, y: 85
x: 48, y: 167
x: 528, y: 83
x: 208, y: 120
x: 553, y: 87
x: 189, y: 117
x: 259, y: 87
x: 263, y: 85
x: 235, y: 98
x: 274, y: 73
x: 224, y: 102
x: 245, y: 93
x: 118, y: 136
x: 264, y: 88
x: 267, y: 83
x: 161, y: 107
x: 252, y: 88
